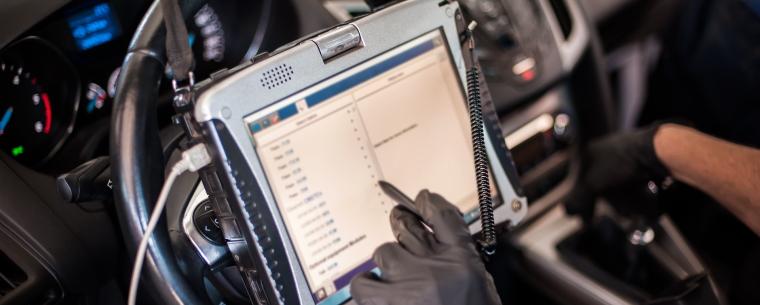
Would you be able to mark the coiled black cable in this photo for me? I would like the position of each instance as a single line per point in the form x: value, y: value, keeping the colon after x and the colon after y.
x: 488, y: 241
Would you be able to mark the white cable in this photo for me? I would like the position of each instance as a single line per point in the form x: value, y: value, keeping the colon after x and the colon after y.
x: 192, y: 159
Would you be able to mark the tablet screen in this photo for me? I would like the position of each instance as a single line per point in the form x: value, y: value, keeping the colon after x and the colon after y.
x: 400, y: 117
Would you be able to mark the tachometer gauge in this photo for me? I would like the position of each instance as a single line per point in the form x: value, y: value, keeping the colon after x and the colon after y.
x: 33, y: 110
x: 38, y: 103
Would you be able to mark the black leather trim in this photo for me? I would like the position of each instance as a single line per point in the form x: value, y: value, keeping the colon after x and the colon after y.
x: 137, y: 157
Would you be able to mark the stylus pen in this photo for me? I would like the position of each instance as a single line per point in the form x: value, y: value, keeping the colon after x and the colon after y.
x: 399, y: 197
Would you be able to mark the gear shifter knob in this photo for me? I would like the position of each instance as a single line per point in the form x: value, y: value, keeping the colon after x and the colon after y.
x: 90, y: 181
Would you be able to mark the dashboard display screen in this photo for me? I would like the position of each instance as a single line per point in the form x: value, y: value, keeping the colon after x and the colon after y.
x: 400, y: 117
x: 94, y: 26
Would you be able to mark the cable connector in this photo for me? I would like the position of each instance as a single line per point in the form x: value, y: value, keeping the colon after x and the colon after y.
x: 196, y: 157
x: 470, y: 28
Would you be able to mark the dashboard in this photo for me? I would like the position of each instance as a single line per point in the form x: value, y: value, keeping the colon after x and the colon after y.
x: 59, y: 77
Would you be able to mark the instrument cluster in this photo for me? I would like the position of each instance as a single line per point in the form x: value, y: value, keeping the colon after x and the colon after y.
x: 59, y: 78
x: 39, y: 100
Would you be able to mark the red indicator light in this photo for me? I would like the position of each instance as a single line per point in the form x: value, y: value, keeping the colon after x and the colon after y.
x: 528, y: 75
x: 48, y: 113
x: 34, y: 81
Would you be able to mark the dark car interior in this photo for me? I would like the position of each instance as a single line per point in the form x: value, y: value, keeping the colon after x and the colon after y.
x: 561, y: 73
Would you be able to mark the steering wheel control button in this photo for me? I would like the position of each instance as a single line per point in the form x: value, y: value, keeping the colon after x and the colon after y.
x: 207, y: 227
x: 206, y: 207
x: 203, y: 209
x: 207, y: 223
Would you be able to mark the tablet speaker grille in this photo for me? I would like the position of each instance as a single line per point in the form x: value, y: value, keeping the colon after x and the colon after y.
x: 277, y: 76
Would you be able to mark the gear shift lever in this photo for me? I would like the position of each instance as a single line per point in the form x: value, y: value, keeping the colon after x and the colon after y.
x: 644, y: 216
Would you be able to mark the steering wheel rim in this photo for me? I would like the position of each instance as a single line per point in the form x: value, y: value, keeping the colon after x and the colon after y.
x: 137, y: 161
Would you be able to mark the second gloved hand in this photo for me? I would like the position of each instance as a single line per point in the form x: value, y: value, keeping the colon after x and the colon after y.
x: 427, y: 268
x: 619, y: 167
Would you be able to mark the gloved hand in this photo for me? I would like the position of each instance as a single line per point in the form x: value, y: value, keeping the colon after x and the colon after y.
x: 427, y: 268
x: 619, y: 168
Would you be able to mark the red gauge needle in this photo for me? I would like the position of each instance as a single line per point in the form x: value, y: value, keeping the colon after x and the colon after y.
x: 48, y: 113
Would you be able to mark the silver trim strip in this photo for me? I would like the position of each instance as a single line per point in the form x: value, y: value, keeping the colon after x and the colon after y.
x: 570, y: 49
x: 542, y: 261
x: 539, y: 243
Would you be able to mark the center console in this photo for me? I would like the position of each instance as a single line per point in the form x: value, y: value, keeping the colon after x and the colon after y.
x: 533, y: 54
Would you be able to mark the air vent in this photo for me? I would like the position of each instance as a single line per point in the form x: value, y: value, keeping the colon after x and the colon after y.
x: 11, y: 276
x: 277, y: 76
x: 563, y: 17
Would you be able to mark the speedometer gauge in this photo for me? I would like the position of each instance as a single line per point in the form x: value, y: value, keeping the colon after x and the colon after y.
x: 39, y: 100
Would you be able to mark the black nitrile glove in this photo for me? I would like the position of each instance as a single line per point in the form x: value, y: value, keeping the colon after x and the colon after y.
x: 619, y: 168
x: 427, y: 268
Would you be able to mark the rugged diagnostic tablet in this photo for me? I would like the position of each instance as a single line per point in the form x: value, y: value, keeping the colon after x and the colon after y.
x: 301, y: 138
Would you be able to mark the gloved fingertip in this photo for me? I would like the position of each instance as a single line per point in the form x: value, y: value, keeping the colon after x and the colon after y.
x: 386, y: 254
x: 422, y: 196
x: 364, y: 285
x: 402, y: 220
x: 429, y: 204
x: 399, y: 212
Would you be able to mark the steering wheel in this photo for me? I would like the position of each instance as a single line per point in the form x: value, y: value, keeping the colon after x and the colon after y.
x: 137, y: 161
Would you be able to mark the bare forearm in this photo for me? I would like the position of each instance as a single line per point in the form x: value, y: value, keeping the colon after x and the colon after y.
x: 728, y: 172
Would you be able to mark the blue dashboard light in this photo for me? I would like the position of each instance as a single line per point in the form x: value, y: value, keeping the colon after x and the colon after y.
x: 94, y: 26
x: 4, y: 121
